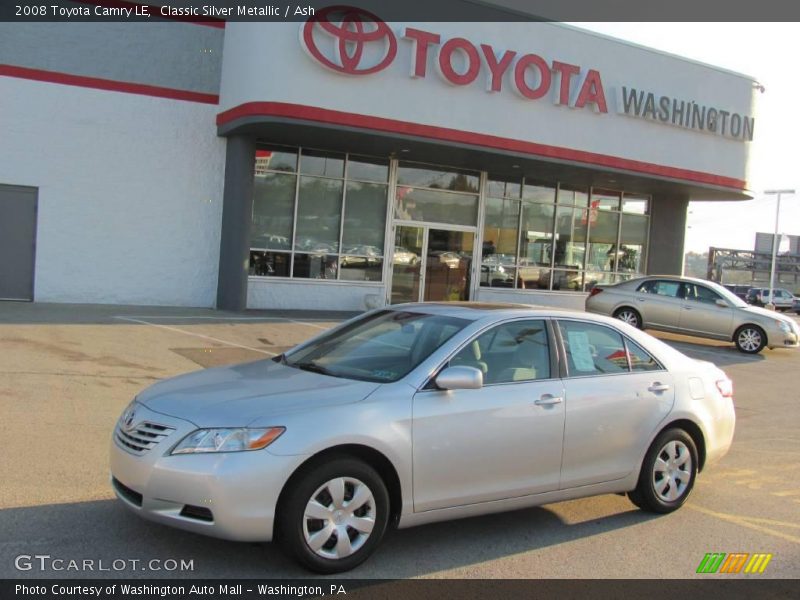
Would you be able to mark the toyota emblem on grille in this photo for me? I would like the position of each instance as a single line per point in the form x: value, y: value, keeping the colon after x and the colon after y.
x: 127, y: 420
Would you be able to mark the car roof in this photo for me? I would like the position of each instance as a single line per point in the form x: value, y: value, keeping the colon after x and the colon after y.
x: 474, y: 311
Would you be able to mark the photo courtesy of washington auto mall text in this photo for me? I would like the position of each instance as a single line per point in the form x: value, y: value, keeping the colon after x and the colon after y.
x: 377, y: 299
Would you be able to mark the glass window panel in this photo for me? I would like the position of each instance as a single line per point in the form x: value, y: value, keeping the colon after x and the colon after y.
x: 603, y: 251
x: 319, y: 209
x: 501, y: 224
x: 593, y: 278
x: 500, y: 237
x: 431, y: 177
x: 367, y: 169
x: 517, y: 351
x: 275, y: 159
x: 539, y: 192
x: 570, y: 237
x: 436, y: 206
x: 660, y: 287
x: 633, y: 244
x: 315, y: 266
x: 501, y: 187
x: 327, y: 164
x: 269, y: 264
x: 593, y: 349
x: 605, y: 200
x: 563, y: 280
x: 406, y: 264
x: 364, y: 218
x: 535, y: 245
x: 640, y: 359
x: 361, y: 268
x: 273, y: 211
x: 638, y: 205
x: 700, y: 293
x: 574, y: 195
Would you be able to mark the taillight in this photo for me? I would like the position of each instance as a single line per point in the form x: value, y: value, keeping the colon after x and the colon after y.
x: 725, y: 387
x: 595, y: 291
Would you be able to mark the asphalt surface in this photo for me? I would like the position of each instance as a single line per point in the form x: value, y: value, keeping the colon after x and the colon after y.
x: 66, y: 373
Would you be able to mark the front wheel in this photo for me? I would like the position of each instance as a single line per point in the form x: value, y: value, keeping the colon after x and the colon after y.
x: 629, y: 316
x: 334, y: 515
x: 668, y: 473
x: 750, y: 339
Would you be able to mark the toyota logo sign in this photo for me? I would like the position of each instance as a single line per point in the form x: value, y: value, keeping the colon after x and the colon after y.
x: 349, y: 40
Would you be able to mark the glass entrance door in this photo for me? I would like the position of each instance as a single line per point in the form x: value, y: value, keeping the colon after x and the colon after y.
x: 432, y: 265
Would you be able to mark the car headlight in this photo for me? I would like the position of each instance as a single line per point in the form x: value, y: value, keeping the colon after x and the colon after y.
x: 228, y: 440
x: 784, y: 327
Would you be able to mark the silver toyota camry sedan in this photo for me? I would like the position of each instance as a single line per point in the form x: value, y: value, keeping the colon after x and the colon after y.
x: 420, y: 413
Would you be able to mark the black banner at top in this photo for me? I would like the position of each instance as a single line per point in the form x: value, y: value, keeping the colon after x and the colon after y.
x: 217, y: 12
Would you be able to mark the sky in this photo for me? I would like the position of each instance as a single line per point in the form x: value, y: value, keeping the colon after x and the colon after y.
x: 768, y: 52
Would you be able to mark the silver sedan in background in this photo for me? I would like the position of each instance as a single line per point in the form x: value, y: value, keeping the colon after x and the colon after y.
x: 420, y: 413
x: 694, y: 307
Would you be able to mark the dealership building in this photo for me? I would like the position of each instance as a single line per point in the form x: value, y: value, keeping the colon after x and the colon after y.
x: 344, y: 162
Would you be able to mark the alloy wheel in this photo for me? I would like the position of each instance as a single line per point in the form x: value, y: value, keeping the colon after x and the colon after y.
x: 339, y: 518
x: 749, y: 339
x: 629, y: 317
x: 672, y: 471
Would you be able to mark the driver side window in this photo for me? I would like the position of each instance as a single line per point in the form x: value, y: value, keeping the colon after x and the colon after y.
x: 511, y: 352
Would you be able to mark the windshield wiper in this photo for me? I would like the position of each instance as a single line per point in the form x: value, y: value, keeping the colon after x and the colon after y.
x: 313, y: 367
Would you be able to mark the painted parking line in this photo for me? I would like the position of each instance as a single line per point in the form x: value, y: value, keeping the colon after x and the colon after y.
x: 721, y: 354
x: 307, y: 323
x: 193, y: 334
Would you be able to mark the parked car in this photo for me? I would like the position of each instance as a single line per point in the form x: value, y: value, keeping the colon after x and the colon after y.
x: 403, y: 256
x: 783, y: 299
x: 420, y: 413
x: 694, y: 307
x: 738, y: 290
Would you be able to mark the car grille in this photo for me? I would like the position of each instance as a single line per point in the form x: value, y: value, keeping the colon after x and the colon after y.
x: 143, y: 437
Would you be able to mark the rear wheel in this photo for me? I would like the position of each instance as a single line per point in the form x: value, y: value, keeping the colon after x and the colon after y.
x: 335, y: 515
x: 750, y: 339
x: 630, y: 316
x: 668, y: 473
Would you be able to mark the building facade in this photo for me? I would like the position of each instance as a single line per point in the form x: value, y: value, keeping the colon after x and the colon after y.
x: 344, y: 162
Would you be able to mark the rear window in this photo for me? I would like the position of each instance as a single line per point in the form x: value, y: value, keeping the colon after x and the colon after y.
x: 660, y: 287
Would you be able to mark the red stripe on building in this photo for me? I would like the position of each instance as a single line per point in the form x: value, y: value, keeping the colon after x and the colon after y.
x: 336, y: 117
x: 155, y: 12
x: 107, y: 84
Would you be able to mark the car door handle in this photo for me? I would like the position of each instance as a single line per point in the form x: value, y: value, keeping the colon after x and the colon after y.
x: 687, y: 308
x: 548, y: 400
x: 658, y: 387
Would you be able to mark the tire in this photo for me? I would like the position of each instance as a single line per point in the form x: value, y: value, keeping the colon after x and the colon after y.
x: 629, y: 315
x: 669, y: 470
x: 750, y: 339
x: 331, y: 486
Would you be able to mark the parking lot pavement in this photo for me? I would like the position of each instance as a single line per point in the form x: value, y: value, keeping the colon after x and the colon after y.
x: 66, y: 372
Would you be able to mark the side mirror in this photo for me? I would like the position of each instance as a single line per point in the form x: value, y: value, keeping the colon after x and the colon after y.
x: 721, y: 303
x: 460, y: 378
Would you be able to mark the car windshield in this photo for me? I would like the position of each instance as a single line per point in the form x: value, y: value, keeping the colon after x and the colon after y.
x: 727, y: 294
x: 381, y: 347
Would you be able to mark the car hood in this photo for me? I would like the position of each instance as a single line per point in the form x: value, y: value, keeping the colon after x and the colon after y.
x: 236, y: 395
x: 763, y: 312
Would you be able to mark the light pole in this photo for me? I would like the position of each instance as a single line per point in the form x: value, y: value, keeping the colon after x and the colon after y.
x: 771, y: 304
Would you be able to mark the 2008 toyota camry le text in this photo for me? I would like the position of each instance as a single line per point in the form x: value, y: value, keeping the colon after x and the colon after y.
x: 420, y: 413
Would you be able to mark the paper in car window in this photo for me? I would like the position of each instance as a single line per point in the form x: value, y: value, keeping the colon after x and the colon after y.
x: 580, y: 350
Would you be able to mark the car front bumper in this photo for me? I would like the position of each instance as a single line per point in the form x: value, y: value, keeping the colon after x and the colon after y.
x: 230, y: 495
